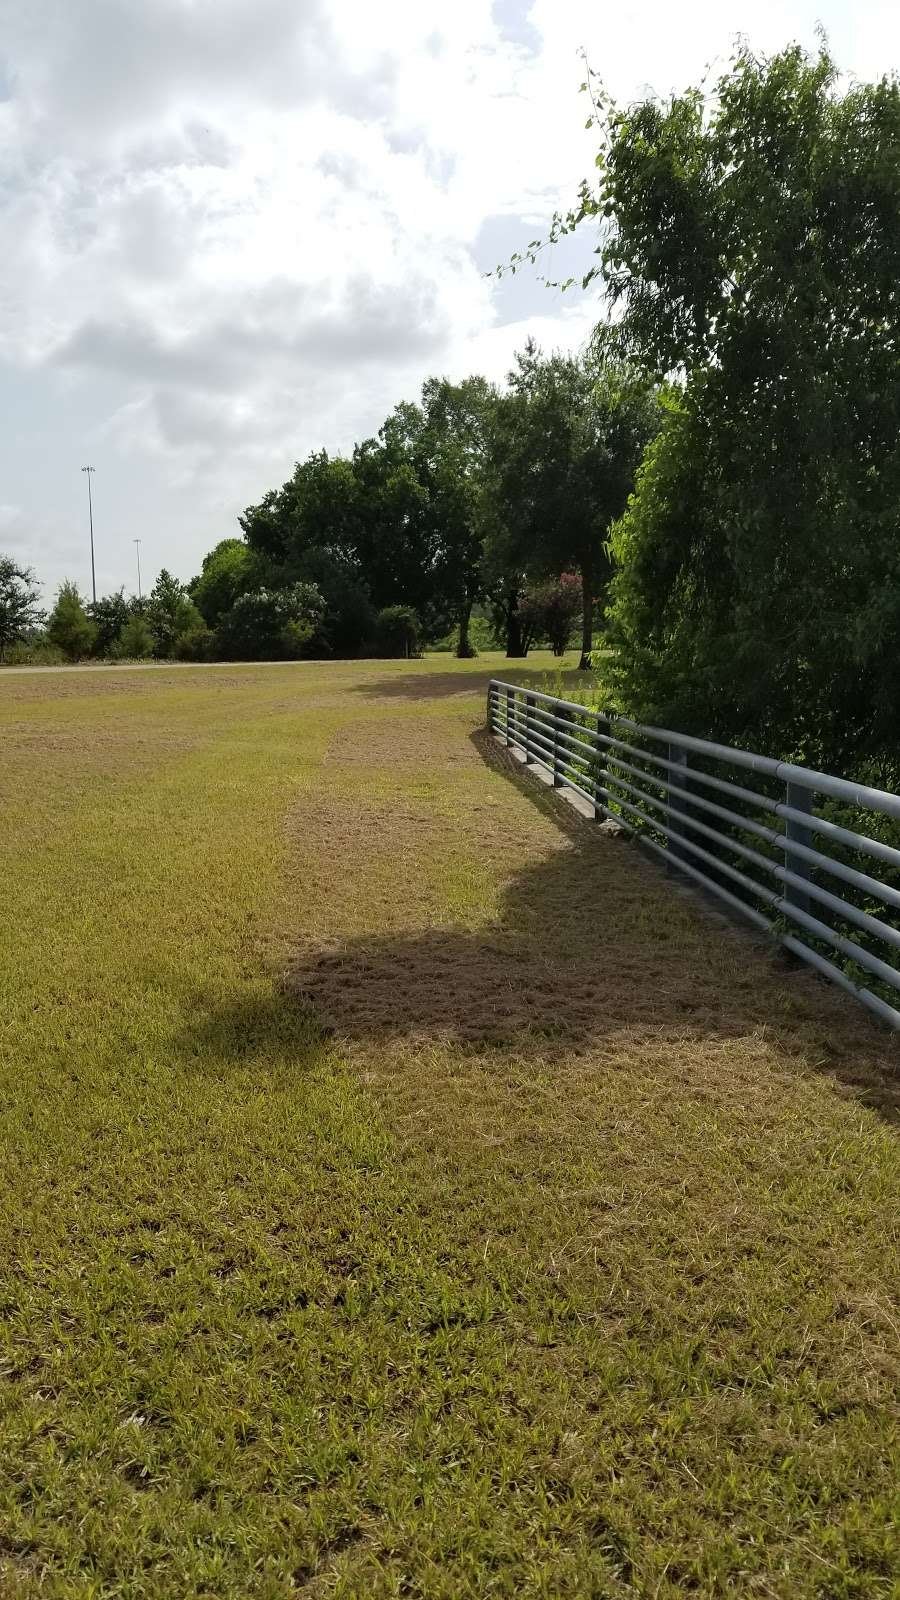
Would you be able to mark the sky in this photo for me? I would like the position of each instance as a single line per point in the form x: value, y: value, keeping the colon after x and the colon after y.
x: 235, y: 231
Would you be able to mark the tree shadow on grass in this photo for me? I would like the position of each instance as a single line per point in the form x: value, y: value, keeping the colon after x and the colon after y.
x: 415, y: 684
x: 250, y: 1033
x: 595, y: 950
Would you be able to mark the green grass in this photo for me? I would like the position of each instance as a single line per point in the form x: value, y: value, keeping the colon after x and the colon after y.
x: 333, y: 1266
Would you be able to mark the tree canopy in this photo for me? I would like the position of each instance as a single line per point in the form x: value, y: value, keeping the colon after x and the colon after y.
x: 20, y: 609
x: 750, y: 246
x: 568, y: 438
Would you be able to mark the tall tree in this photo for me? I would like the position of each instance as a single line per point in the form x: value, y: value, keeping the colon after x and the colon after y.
x: 565, y: 450
x: 752, y: 243
x: 20, y: 609
x: 395, y: 539
x: 317, y: 508
x: 451, y: 460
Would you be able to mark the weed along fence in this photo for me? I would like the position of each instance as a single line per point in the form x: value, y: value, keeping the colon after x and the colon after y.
x: 782, y: 845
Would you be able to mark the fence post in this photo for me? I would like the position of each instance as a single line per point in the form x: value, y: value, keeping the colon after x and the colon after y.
x: 677, y: 780
x: 529, y: 705
x: 799, y: 798
x: 603, y: 726
x: 558, y: 751
x: 510, y: 702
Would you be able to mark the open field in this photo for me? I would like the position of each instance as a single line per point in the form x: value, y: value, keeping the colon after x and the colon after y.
x: 404, y: 1191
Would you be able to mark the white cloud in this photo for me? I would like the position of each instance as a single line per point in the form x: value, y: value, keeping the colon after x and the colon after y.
x: 235, y: 230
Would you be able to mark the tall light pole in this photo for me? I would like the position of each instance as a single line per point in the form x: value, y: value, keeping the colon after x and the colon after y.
x: 137, y: 547
x: 89, y: 470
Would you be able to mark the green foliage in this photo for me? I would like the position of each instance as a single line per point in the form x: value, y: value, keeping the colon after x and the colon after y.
x: 451, y: 461
x: 68, y: 626
x: 566, y: 442
x: 20, y: 610
x: 136, y: 641
x: 230, y: 569
x: 753, y: 244
x: 271, y: 625
x: 550, y: 611
x: 317, y: 508
x: 197, y: 643
x: 397, y: 632
x: 35, y: 651
x: 395, y: 548
x: 170, y: 612
x: 109, y: 615
x: 348, y: 618
x: 399, y: 523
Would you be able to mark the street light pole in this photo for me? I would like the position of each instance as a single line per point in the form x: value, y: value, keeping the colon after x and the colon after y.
x: 89, y: 470
x: 137, y: 548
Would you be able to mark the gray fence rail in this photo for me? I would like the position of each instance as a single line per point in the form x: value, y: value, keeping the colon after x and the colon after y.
x: 757, y: 833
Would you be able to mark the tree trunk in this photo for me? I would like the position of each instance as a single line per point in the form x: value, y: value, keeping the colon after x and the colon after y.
x: 514, y: 642
x: 587, y: 619
x: 464, y: 649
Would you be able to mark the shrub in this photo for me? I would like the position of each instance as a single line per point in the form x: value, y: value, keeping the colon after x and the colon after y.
x: 109, y: 615
x: 69, y: 627
x: 34, y: 652
x: 550, y: 611
x: 196, y: 644
x: 397, y: 632
x: 135, y: 642
x: 271, y: 624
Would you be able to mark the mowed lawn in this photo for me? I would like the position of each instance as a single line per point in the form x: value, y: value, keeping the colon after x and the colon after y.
x: 405, y: 1191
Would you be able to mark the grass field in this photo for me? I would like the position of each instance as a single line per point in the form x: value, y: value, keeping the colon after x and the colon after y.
x: 405, y: 1192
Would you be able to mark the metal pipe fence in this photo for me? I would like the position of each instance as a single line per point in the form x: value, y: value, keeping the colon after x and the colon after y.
x: 758, y: 833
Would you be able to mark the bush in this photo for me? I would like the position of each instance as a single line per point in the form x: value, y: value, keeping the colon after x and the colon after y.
x: 271, y: 624
x: 558, y: 606
x: 109, y: 615
x: 397, y: 632
x: 135, y: 642
x: 36, y: 652
x: 196, y: 644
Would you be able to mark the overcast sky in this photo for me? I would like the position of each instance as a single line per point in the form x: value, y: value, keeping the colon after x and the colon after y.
x: 233, y: 231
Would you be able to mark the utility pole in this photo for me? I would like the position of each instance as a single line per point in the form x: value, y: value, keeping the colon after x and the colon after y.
x: 89, y: 470
x: 137, y: 547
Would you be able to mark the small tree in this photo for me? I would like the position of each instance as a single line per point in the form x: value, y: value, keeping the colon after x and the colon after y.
x: 136, y: 640
x: 69, y: 626
x: 19, y: 605
x: 553, y: 609
x: 170, y: 612
x: 109, y: 615
x: 397, y: 632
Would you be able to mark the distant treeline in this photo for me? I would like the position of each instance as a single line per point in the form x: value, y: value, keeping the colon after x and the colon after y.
x: 476, y: 499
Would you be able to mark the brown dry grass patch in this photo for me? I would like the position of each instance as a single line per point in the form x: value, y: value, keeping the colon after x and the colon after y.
x: 576, y: 942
